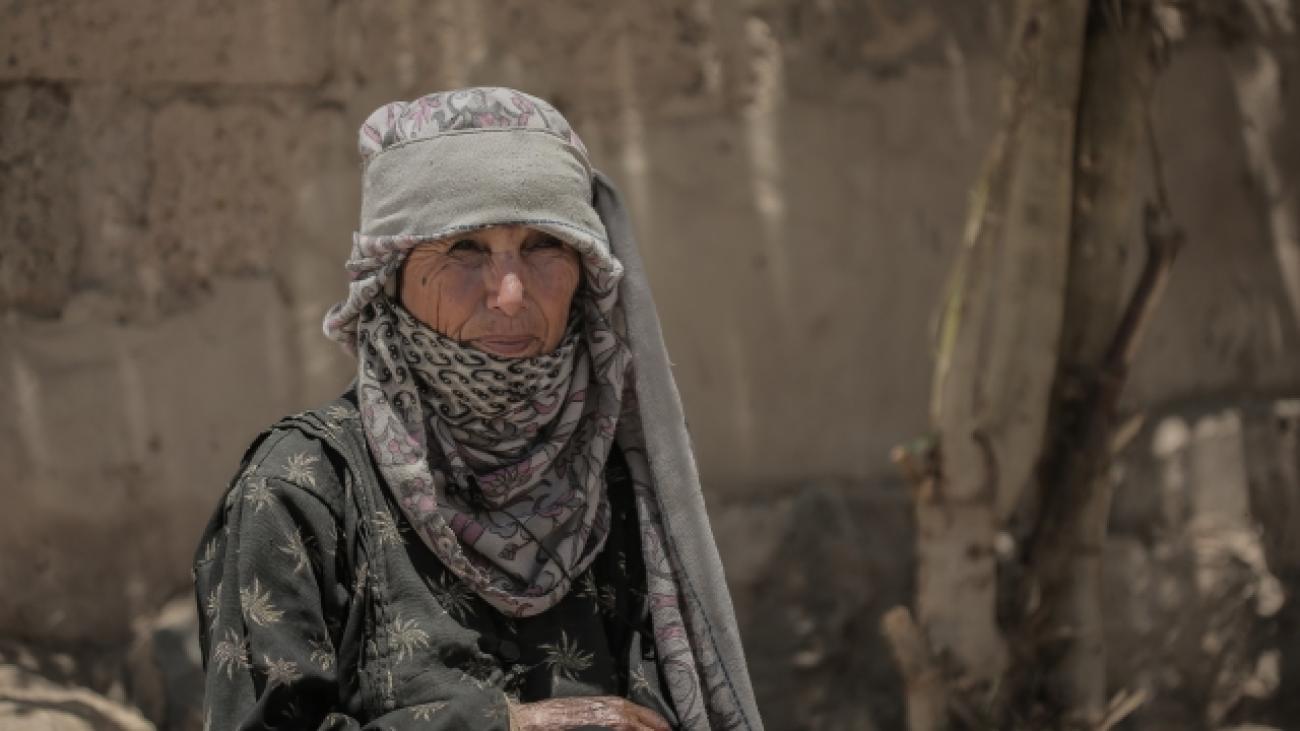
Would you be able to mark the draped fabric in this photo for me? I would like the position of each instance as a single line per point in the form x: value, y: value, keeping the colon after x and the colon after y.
x: 320, y: 608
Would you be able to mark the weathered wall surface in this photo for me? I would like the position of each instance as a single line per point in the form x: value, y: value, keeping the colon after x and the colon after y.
x: 179, y: 185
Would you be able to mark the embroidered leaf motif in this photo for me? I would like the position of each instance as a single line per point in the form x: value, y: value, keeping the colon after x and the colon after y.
x: 588, y: 591
x: 231, y: 654
x: 281, y: 671
x: 210, y: 549
x: 608, y: 598
x: 298, y: 469
x: 297, y: 550
x: 338, y: 412
x: 455, y: 597
x: 334, y: 429
x: 407, y: 637
x: 386, y: 528
x: 322, y: 653
x: 259, y: 495
x: 513, y: 678
x: 359, y: 581
x: 213, y: 605
x: 258, y: 606
x: 565, y: 657
x: 639, y: 681
x: 425, y: 711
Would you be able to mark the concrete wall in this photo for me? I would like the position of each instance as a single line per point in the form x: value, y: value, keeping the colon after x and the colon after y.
x: 180, y: 184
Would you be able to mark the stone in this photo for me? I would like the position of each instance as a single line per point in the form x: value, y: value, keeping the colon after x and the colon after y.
x: 113, y: 171
x: 75, y: 219
x: 218, y: 198
x: 116, y: 442
x: 165, y: 668
x: 244, y: 190
x: 176, y: 41
x: 31, y: 702
x: 587, y: 63
x: 39, y: 240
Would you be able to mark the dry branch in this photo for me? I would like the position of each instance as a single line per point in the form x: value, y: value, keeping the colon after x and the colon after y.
x: 1065, y: 549
x: 923, y: 682
x: 998, y: 338
x: 1035, y: 341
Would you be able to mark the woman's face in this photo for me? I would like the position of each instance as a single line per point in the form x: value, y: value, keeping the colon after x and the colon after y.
x: 505, y: 290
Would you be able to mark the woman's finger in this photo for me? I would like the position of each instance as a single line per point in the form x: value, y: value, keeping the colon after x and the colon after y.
x: 607, y: 711
x: 650, y: 718
x: 619, y: 713
x: 643, y: 717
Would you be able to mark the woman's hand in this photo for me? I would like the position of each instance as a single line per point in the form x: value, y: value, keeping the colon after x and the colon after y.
x: 605, y: 711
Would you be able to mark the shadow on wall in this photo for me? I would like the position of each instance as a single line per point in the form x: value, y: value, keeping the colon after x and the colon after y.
x: 815, y: 571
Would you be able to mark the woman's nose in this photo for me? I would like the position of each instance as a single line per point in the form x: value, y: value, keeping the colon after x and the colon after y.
x: 510, y: 294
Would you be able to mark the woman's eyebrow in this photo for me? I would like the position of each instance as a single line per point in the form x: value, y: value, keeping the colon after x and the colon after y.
x: 422, y: 253
x: 475, y: 236
x: 445, y: 243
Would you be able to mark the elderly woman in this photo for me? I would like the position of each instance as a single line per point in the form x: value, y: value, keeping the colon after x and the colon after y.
x: 499, y: 525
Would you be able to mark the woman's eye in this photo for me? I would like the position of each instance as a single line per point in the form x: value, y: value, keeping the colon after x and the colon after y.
x: 544, y: 242
x: 465, y: 246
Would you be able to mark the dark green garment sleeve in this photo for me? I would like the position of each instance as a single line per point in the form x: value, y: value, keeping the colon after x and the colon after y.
x: 286, y: 617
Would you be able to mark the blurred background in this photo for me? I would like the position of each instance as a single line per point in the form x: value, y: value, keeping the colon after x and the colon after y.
x: 178, y: 186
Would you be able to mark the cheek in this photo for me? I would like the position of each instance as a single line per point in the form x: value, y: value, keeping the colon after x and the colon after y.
x: 444, y: 300
x: 557, y: 281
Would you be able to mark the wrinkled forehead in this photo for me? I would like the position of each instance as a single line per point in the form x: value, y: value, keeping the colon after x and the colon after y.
x: 591, y: 259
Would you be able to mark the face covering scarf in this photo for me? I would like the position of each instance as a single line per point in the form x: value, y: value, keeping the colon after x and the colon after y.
x: 435, y: 412
x: 497, y: 463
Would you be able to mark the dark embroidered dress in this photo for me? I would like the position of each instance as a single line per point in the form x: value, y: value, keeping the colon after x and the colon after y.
x: 323, y: 610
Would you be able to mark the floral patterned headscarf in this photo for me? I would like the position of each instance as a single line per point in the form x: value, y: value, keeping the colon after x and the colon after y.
x: 498, y: 463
